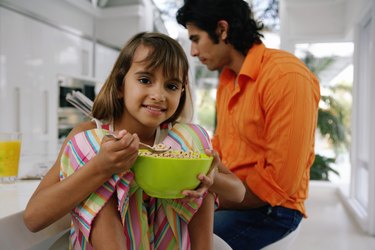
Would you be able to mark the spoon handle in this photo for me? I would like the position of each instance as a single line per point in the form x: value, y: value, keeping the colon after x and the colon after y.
x: 144, y: 145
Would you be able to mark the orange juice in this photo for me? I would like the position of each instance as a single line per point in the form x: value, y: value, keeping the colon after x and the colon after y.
x: 9, y: 157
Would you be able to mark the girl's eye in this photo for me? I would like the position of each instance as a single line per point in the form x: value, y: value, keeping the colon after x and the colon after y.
x: 173, y: 86
x: 144, y: 80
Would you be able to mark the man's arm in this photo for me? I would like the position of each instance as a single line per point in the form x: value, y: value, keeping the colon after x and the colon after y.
x: 250, y: 201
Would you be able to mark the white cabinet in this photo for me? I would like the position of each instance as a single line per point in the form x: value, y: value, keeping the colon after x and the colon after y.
x: 32, y: 55
x: 105, y: 58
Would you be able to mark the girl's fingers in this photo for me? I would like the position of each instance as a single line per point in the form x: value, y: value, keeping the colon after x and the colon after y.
x: 190, y: 196
x: 120, y: 153
x: 215, y: 163
x: 126, y: 142
x: 205, y: 180
x: 123, y: 143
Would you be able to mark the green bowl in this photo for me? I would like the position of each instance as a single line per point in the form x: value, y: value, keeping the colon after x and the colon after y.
x: 167, y: 177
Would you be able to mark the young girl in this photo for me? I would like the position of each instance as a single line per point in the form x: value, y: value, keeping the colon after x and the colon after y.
x: 142, y: 100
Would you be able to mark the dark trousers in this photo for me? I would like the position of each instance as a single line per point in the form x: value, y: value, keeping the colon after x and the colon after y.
x: 255, y: 228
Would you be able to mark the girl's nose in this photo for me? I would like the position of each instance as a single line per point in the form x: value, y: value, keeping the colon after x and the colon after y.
x: 158, y: 94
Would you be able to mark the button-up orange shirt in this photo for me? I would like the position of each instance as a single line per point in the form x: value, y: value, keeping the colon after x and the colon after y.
x: 266, y: 125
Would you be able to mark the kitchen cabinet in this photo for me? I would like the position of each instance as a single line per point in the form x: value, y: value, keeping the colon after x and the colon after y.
x: 105, y: 58
x: 32, y: 55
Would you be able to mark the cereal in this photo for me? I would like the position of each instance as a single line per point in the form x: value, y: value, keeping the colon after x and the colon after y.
x: 170, y: 153
x: 160, y: 146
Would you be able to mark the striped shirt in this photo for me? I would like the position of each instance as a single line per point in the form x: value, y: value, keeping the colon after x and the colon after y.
x: 266, y: 125
x: 148, y: 222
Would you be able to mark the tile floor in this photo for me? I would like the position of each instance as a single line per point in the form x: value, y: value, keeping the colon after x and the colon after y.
x: 329, y: 225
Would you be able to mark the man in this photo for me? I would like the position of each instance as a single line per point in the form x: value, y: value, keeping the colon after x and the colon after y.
x: 267, y: 102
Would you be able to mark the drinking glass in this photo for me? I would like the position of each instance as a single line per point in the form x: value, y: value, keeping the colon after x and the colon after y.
x: 10, y: 151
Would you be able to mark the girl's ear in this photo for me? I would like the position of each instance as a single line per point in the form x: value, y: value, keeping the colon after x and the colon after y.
x: 120, y: 90
x: 222, y: 29
x: 120, y: 93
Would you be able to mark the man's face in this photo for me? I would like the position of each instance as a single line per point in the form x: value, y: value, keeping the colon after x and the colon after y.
x: 214, y: 56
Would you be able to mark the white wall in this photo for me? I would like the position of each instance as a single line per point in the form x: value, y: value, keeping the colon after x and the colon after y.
x: 354, y: 12
x: 305, y: 21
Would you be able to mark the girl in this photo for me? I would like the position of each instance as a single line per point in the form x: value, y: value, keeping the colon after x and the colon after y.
x: 142, y: 100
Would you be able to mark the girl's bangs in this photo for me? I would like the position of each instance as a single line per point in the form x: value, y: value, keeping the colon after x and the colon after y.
x: 174, y: 64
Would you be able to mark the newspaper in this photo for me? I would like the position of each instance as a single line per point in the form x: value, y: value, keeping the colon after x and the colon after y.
x: 81, y: 102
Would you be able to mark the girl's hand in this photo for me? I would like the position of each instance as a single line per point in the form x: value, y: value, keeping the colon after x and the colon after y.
x: 117, y: 155
x: 206, y: 180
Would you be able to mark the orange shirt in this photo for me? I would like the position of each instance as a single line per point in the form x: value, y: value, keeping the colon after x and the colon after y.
x: 266, y: 125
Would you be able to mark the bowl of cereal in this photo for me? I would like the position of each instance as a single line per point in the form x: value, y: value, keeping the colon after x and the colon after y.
x: 167, y: 174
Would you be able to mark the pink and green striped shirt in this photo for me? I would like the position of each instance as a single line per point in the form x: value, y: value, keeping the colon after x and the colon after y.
x: 148, y: 222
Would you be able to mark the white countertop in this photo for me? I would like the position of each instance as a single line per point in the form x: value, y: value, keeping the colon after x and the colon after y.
x: 14, y: 234
x: 14, y: 197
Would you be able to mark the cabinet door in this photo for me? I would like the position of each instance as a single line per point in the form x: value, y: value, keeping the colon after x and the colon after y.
x: 25, y: 79
x: 105, y: 58
x: 9, y: 88
x: 33, y: 54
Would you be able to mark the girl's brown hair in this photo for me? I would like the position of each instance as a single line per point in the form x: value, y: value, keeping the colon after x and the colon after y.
x: 165, y: 53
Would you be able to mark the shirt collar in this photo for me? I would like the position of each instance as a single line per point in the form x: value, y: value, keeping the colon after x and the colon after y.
x: 251, y: 65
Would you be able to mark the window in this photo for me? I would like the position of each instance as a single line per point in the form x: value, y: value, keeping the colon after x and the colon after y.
x: 362, y: 194
x: 332, y: 64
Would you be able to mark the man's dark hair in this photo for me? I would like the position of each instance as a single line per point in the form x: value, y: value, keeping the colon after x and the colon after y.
x: 243, y: 30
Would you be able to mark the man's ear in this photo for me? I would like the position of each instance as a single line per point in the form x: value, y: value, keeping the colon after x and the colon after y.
x: 222, y: 29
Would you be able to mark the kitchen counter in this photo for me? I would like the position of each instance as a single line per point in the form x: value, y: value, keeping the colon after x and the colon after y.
x: 14, y: 234
x: 14, y: 197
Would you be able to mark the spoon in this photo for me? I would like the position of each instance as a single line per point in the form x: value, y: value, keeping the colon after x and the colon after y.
x: 153, y: 149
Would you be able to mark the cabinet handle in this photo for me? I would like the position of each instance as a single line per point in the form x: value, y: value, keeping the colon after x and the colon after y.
x: 85, y: 62
x: 46, y: 113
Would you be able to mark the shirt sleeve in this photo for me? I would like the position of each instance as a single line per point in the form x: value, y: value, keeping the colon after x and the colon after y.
x: 188, y: 136
x: 80, y: 150
x: 216, y: 144
x: 290, y: 108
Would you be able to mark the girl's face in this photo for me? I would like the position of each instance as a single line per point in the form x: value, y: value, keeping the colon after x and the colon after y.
x: 149, y: 97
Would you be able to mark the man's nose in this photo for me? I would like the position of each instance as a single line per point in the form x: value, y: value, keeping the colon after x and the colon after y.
x: 193, y: 50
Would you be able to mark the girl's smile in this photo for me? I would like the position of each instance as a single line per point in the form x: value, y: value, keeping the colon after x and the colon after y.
x: 157, y: 110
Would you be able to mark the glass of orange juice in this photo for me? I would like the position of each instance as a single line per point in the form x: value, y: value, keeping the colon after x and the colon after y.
x: 10, y: 151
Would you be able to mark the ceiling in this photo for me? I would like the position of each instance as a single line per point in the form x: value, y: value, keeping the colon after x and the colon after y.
x: 112, y: 3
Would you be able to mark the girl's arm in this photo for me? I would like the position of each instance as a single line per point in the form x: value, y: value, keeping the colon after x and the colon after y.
x: 201, y: 225
x: 54, y: 198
